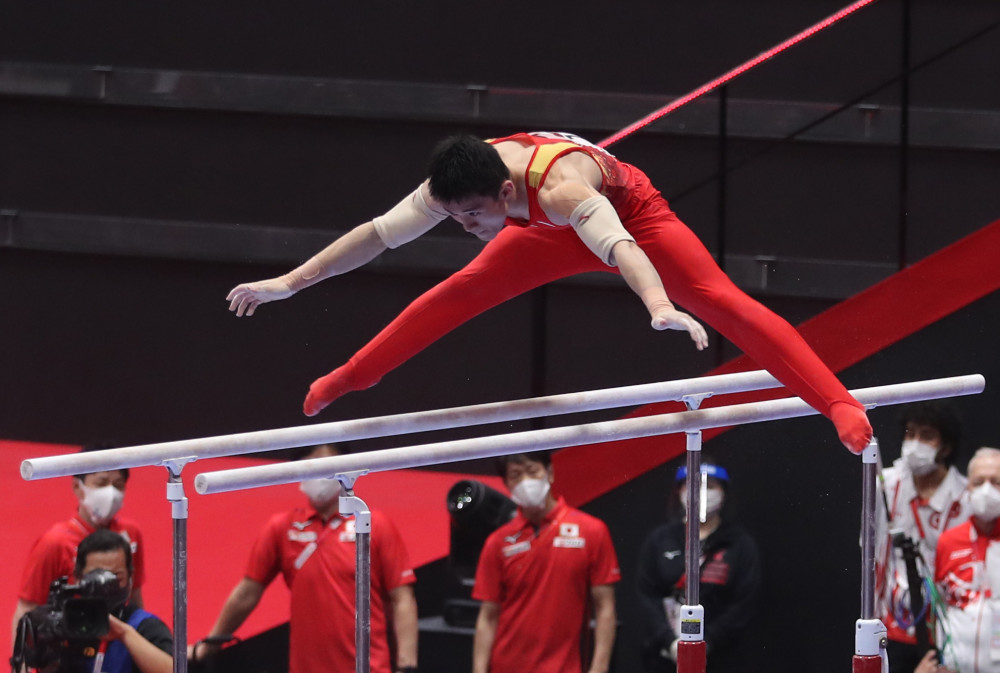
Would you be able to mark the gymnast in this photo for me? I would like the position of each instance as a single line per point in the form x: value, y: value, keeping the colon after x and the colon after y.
x: 552, y: 205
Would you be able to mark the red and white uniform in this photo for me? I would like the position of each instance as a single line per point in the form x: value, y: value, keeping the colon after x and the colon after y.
x: 318, y: 563
x: 923, y: 521
x: 624, y: 185
x: 529, y: 254
x: 968, y: 573
x: 54, y: 555
x: 542, y: 579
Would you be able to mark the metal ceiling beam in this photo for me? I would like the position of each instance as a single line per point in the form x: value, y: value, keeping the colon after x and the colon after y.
x: 484, y: 104
x: 435, y: 254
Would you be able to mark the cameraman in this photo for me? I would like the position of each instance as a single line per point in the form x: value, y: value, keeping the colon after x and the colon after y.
x: 138, y: 641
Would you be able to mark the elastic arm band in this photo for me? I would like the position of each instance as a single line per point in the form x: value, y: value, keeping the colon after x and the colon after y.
x: 599, y: 227
x: 408, y: 220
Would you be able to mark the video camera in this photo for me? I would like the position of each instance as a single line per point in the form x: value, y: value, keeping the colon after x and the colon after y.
x: 74, y: 612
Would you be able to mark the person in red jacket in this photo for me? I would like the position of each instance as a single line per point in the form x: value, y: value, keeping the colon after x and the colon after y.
x: 540, y: 578
x: 100, y: 496
x: 967, y: 570
x: 552, y: 205
x: 312, y: 547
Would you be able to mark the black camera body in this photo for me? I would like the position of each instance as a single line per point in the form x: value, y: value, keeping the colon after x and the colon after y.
x: 74, y: 612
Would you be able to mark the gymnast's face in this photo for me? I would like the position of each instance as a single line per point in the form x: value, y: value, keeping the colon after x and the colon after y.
x: 482, y: 216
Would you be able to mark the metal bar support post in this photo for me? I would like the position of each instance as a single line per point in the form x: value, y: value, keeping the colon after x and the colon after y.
x: 691, y: 650
x: 351, y: 504
x: 870, y: 637
x: 179, y: 513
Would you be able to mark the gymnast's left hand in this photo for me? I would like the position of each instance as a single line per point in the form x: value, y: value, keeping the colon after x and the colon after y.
x: 671, y: 318
x: 244, y: 299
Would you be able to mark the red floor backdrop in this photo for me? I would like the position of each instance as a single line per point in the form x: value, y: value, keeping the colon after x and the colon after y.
x: 221, y: 528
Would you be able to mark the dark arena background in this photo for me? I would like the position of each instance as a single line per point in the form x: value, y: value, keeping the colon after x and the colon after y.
x: 154, y: 155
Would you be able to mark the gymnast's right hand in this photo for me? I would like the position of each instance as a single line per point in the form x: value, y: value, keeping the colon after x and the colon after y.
x: 244, y: 299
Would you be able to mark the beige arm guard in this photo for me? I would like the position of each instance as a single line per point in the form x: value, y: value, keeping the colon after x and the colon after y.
x: 598, y: 226
x: 408, y: 219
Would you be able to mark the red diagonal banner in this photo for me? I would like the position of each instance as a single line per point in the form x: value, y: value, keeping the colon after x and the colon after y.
x: 843, y: 335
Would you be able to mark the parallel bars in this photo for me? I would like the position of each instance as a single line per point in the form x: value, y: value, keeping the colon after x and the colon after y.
x: 555, y: 438
x: 397, y: 424
x: 174, y: 455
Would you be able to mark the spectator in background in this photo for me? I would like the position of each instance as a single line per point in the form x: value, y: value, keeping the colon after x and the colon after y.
x: 967, y: 568
x: 923, y: 497
x: 313, y: 548
x: 100, y: 496
x: 539, y: 577
x: 729, y: 582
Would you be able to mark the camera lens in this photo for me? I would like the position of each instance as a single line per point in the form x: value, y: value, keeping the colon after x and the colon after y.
x: 464, y: 497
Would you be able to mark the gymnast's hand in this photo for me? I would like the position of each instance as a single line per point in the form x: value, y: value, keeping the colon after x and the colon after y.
x: 671, y: 318
x: 244, y: 299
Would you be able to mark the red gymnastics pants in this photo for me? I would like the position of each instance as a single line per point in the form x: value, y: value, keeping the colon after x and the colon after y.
x: 521, y: 259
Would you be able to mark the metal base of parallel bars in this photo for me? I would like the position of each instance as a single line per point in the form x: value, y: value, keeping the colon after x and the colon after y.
x: 868, y: 665
x: 869, y: 647
x: 691, y: 656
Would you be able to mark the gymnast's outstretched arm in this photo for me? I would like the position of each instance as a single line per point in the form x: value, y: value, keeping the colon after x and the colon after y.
x: 569, y: 198
x: 355, y: 248
x: 413, y: 216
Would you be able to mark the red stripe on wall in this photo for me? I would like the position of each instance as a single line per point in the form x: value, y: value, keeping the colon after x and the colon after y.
x: 843, y: 335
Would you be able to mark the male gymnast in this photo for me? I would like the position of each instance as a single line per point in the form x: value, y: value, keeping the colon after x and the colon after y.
x: 552, y: 205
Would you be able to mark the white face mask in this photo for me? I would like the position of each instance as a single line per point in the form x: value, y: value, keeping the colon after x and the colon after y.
x: 320, y: 491
x: 985, y: 501
x: 919, y: 457
x: 714, y: 497
x: 530, y: 492
x: 102, y: 503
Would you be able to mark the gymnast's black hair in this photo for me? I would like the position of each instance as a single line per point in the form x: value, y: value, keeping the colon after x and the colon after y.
x: 463, y: 166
